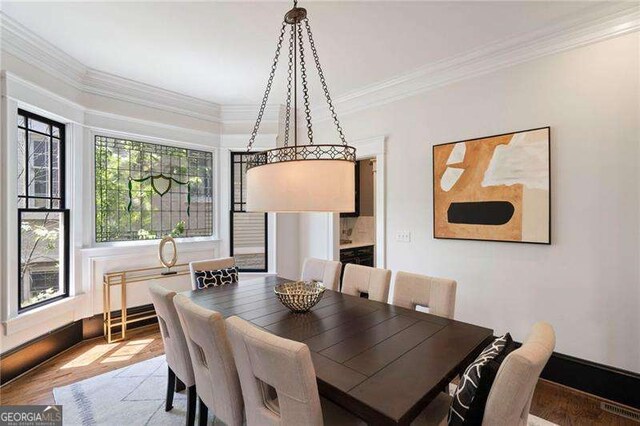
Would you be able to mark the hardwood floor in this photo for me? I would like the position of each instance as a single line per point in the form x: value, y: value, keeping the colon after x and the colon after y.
x: 566, y: 406
x: 86, y: 359
x: 551, y: 402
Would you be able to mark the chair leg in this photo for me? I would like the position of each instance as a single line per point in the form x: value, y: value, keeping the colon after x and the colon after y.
x: 204, y: 413
x: 171, y: 385
x: 179, y: 385
x: 191, y: 405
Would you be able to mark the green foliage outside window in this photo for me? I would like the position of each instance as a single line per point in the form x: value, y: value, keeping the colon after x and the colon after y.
x: 150, y: 215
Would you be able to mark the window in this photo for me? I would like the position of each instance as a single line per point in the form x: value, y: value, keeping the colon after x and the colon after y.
x: 147, y: 191
x: 248, y: 231
x: 43, y: 221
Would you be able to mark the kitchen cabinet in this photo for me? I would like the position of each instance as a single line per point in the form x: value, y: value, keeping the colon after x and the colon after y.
x: 355, y: 213
x: 357, y: 255
x: 364, y: 193
x: 366, y: 189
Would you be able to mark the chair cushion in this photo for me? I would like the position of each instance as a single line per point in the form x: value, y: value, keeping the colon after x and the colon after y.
x: 470, y: 398
x: 216, y: 277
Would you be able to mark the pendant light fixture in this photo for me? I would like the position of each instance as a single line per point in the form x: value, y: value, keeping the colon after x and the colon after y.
x: 300, y: 177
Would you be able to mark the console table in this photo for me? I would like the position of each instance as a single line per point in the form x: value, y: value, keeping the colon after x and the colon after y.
x: 112, y: 280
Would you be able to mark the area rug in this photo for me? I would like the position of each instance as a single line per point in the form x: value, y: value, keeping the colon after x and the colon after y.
x: 131, y: 396
x: 134, y: 396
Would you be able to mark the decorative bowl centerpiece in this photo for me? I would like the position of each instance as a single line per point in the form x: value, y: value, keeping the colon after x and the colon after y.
x: 299, y: 296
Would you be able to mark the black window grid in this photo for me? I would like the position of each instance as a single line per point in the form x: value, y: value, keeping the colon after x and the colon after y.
x: 113, y: 221
x: 53, y: 204
x: 26, y: 196
x: 238, y: 201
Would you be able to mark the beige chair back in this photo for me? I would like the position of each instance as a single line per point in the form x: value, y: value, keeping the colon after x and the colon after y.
x: 277, y: 375
x: 437, y: 294
x: 175, y: 344
x: 326, y: 271
x: 209, y: 265
x: 511, y: 393
x: 364, y: 279
x: 216, y: 377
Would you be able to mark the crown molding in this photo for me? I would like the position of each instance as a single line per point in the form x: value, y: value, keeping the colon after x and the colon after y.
x: 72, y: 112
x: 122, y: 89
x: 32, y: 49
x: 21, y: 42
x: 598, y: 23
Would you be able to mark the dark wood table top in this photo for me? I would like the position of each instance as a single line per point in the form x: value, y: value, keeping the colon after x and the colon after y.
x: 381, y: 362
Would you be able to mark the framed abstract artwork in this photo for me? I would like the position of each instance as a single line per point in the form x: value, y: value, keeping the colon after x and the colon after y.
x: 494, y: 188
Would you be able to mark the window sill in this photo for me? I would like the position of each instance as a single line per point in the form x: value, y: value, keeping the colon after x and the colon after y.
x: 184, y: 245
x: 42, y: 304
x: 63, y: 310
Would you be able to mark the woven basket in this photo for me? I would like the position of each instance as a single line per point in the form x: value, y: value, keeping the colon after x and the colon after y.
x: 299, y: 296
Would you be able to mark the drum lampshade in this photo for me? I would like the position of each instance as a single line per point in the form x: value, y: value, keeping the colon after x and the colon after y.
x: 302, y: 186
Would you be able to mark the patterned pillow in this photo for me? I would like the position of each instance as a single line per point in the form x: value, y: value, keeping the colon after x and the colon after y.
x: 470, y: 398
x: 216, y: 278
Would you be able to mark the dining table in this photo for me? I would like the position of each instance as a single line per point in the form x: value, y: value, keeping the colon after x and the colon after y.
x: 381, y: 362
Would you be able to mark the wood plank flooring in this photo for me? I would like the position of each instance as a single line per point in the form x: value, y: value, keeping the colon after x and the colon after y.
x: 87, y: 359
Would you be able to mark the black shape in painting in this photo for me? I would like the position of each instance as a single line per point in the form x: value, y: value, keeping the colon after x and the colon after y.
x: 481, y: 212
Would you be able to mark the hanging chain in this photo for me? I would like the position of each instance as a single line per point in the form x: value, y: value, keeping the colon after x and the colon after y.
x: 263, y: 105
x: 290, y: 82
x: 305, y: 88
x: 324, y: 84
x: 287, y: 120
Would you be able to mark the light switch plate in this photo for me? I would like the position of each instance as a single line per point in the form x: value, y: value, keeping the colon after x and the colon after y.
x: 403, y: 236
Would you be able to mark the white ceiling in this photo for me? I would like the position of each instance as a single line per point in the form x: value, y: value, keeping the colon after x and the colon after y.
x: 222, y: 52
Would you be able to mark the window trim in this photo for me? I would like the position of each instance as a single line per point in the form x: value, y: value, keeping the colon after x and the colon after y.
x: 232, y: 155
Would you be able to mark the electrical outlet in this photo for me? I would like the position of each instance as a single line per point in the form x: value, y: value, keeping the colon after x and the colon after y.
x: 403, y: 236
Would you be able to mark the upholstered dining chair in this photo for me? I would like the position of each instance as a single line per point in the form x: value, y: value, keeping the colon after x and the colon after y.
x: 209, y: 265
x: 215, y: 372
x: 325, y: 271
x: 437, y: 294
x: 279, y: 381
x: 176, y: 350
x: 358, y: 279
x: 512, y: 390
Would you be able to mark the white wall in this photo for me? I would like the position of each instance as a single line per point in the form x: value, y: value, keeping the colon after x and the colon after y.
x: 316, y: 236
x: 587, y: 282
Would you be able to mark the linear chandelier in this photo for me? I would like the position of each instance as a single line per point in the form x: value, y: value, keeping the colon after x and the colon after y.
x: 300, y: 178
